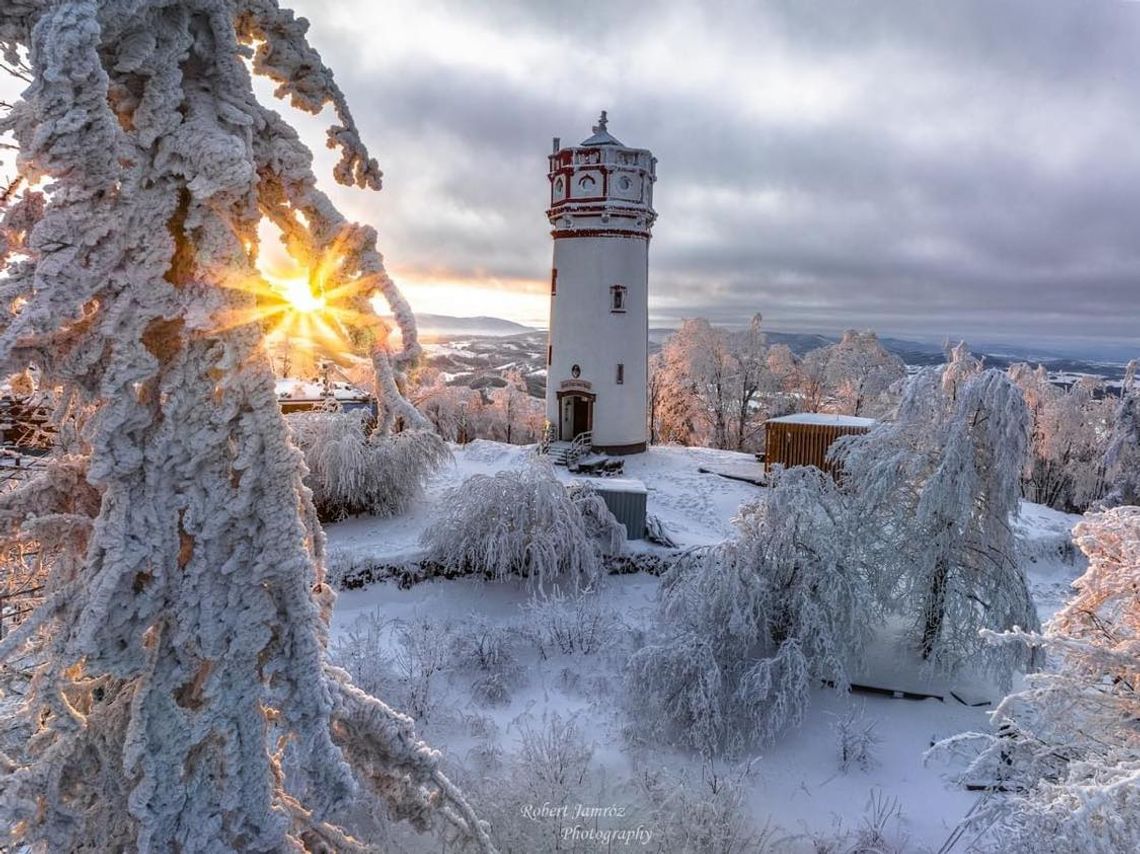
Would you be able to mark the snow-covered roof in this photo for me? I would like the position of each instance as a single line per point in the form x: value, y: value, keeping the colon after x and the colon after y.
x: 293, y: 389
x: 602, y: 138
x: 615, y: 484
x: 824, y: 420
x: 601, y: 135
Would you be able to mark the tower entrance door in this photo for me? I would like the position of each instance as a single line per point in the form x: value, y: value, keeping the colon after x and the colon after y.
x: 577, y: 415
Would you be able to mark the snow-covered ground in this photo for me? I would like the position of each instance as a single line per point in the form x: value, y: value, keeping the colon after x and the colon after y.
x: 795, y: 787
x: 696, y: 508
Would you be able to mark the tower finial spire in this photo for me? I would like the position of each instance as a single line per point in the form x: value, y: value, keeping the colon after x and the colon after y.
x: 600, y: 127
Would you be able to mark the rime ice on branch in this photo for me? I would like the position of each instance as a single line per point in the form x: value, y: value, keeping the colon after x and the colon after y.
x: 182, y: 641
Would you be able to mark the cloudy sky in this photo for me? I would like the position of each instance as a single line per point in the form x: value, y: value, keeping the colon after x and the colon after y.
x: 926, y: 168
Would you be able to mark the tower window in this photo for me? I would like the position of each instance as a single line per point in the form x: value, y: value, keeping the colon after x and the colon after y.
x: 549, y: 354
x: 617, y: 298
x: 620, y: 373
x: 553, y: 281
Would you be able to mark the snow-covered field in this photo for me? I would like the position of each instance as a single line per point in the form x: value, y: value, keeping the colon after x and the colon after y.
x: 558, y: 700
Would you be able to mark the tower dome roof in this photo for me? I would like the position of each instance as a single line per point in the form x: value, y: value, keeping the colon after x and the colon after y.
x: 601, y: 135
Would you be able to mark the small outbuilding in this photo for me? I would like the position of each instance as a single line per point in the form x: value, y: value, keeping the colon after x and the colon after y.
x: 805, y: 438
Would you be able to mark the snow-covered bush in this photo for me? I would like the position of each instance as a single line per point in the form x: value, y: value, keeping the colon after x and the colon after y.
x: 746, y: 629
x: 486, y: 755
x: 362, y: 651
x: 488, y: 651
x: 517, y: 522
x: 705, y: 815
x: 531, y: 799
x: 182, y: 637
x: 1065, y: 754
x: 855, y: 738
x: 555, y: 750
x: 602, y: 527
x: 655, y: 532
x: 880, y: 831
x: 403, y: 659
x: 937, y: 490
x: 352, y: 471
x: 582, y: 624
x: 422, y: 657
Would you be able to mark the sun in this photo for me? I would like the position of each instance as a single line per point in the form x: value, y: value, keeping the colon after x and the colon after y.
x: 298, y: 292
x: 312, y: 312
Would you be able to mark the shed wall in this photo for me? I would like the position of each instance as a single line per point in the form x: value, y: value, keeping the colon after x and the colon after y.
x: 791, y: 444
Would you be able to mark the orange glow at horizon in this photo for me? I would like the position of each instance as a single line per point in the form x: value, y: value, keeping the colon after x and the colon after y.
x: 445, y: 292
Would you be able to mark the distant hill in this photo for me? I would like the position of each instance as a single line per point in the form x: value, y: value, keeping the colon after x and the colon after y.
x: 509, y: 344
x: 446, y: 326
x: 799, y: 342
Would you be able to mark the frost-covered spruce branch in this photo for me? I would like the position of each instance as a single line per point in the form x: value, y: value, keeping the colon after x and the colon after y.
x: 183, y: 642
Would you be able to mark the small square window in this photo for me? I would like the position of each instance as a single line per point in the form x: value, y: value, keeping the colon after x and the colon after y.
x: 620, y: 374
x: 617, y: 298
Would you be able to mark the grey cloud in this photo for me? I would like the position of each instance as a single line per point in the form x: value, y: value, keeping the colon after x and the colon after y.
x: 1013, y: 210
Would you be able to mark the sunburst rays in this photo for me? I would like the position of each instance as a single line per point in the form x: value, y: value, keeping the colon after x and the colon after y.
x: 316, y: 309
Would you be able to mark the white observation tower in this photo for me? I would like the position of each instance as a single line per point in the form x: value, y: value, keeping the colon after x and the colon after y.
x: 601, y: 211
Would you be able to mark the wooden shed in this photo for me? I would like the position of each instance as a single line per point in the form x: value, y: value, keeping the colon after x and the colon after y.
x: 804, y: 439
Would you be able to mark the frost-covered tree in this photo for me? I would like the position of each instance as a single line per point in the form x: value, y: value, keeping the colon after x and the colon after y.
x: 697, y: 371
x: 868, y: 373
x: 520, y: 522
x: 749, y: 378
x: 1065, y: 468
x: 748, y: 628
x: 453, y: 410
x: 938, y: 488
x: 854, y: 375
x: 1122, y: 459
x: 707, y: 383
x: 1066, y: 752
x: 510, y: 406
x: 447, y: 407
x: 672, y: 415
x: 353, y: 472
x: 182, y: 640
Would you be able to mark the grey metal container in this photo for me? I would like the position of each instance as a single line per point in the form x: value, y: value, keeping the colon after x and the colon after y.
x: 626, y: 499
